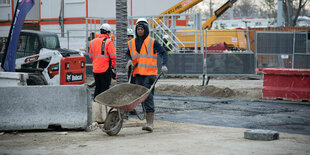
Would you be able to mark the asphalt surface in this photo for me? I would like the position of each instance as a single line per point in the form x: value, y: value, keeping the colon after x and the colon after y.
x: 283, y: 116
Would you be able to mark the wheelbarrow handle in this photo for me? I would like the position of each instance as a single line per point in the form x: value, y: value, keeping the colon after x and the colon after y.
x: 158, y: 77
x: 129, y: 80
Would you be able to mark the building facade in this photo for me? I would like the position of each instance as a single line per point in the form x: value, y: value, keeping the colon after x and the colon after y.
x: 47, y: 15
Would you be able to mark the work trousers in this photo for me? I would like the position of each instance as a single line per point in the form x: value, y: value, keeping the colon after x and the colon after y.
x: 147, y: 81
x: 103, y: 82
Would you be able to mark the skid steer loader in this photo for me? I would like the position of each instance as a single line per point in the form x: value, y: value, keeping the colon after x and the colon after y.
x: 39, y: 54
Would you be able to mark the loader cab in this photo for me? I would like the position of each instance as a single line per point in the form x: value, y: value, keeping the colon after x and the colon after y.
x: 28, y: 44
x: 31, y: 42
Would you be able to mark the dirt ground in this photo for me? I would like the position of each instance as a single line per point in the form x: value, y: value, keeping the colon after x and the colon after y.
x: 230, y: 87
x: 238, y: 88
x: 167, y: 138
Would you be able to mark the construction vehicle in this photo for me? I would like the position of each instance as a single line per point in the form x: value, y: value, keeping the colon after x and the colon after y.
x: 217, y: 39
x: 222, y: 39
x: 39, y: 54
x: 218, y: 13
x: 181, y: 7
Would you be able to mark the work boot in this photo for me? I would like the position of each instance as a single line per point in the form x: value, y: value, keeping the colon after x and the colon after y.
x: 133, y: 112
x: 149, y: 122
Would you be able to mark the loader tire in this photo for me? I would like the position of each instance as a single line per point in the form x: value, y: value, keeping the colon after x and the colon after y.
x: 35, y: 79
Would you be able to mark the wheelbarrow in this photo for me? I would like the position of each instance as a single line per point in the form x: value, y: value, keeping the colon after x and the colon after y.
x: 122, y: 99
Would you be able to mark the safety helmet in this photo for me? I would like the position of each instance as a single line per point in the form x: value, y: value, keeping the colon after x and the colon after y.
x: 130, y: 32
x: 166, y: 37
x: 106, y: 27
x: 141, y: 20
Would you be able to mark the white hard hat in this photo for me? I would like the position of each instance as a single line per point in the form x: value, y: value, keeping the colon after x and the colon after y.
x: 130, y: 32
x: 141, y: 20
x: 165, y: 37
x: 106, y: 27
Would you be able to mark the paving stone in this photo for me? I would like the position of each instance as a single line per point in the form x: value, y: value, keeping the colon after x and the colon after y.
x: 258, y: 134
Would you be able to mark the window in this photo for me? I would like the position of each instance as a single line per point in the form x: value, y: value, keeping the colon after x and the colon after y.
x: 21, y: 46
x: 5, y: 2
x: 50, y: 42
x: 32, y: 46
x: 27, y: 45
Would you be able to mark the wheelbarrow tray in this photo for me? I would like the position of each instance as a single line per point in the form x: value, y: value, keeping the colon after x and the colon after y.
x: 123, y: 96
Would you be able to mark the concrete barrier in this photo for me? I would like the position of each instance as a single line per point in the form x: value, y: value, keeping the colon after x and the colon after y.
x: 8, y: 79
x: 38, y: 107
x: 291, y: 84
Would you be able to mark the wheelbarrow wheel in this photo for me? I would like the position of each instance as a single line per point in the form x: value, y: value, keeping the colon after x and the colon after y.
x: 111, y: 124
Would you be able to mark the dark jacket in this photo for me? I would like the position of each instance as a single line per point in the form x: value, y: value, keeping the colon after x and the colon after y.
x: 157, y: 47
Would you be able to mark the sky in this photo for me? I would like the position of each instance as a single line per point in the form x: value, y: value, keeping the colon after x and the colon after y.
x: 204, y: 6
x: 217, y: 3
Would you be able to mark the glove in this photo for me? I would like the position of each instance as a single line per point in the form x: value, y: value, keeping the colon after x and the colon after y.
x: 164, y: 69
x: 129, y: 64
x: 113, y: 73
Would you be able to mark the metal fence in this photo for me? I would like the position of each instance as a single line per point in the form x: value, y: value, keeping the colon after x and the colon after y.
x: 282, y: 49
x: 187, y: 64
x: 230, y: 64
x: 73, y: 39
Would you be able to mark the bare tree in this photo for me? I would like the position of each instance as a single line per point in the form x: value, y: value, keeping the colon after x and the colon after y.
x: 270, y: 8
x: 301, y: 4
x: 202, y: 8
x: 246, y: 8
x: 291, y: 8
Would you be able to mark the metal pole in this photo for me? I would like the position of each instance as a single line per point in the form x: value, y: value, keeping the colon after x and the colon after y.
x: 68, y: 38
x: 280, y: 13
x: 256, y: 55
x: 201, y: 34
x: 62, y: 18
x: 247, y: 36
x: 293, y: 57
x: 86, y: 34
x: 196, y: 31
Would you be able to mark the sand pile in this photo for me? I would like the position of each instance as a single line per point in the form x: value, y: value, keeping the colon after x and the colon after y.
x: 210, y: 90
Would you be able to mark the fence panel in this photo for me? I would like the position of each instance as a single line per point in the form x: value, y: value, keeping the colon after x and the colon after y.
x: 274, y: 43
x: 302, y: 61
x: 282, y: 49
x: 184, y: 64
x: 230, y: 63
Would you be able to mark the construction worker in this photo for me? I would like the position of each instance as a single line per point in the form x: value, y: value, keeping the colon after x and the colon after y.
x: 103, y: 53
x: 142, y: 53
x: 130, y: 34
x: 166, y: 44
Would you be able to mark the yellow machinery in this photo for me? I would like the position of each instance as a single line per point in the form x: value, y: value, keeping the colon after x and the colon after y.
x: 234, y: 38
x: 218, y: 13
x: 181, y: 7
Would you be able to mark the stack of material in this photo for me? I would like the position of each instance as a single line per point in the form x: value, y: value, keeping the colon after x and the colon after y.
x: 121, y: 40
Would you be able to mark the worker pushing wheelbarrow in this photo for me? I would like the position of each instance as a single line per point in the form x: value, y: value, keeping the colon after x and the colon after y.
x: 121, y: 99
x: 142, y: 53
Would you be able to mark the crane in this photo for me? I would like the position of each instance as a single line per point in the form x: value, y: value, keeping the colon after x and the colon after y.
x: 181, y: 7
x: 218, y: 13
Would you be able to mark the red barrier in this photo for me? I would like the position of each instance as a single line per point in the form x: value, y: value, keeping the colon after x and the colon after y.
x: 291, y: 84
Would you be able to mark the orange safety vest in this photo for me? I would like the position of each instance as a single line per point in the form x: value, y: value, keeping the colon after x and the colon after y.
x: 101, y: 50
x: 146, y: 59
x: 98, y: 35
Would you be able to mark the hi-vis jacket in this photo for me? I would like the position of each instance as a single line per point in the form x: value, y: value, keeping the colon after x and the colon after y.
x: 146, y: 60
x: 102, y: 50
